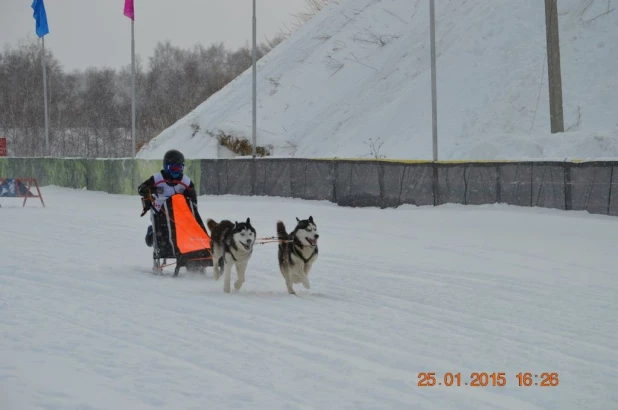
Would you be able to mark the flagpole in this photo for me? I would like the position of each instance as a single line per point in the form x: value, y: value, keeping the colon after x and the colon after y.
x: 47, y: 152
x: 42, y: 28
x: 133, y: 87
x: 254, y: 128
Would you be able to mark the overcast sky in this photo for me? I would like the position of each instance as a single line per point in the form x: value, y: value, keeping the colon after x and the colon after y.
x: 85, y: 33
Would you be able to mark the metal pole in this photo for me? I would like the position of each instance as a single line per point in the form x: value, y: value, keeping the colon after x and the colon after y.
x: 434, y: 102
x: 47, y: 152
x: 254, y: 81
x: 133, y: 87
x: 553, y: 67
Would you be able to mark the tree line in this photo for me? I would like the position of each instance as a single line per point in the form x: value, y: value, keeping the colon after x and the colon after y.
x: 90, y: 110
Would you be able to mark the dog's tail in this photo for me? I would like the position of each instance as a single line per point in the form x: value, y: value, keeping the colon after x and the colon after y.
x: 212, y: 225
x: 281, y: 233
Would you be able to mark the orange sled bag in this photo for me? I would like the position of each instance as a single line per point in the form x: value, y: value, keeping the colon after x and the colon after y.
x: 179, y: 233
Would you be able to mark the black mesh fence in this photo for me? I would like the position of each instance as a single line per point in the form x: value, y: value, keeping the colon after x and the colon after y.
x: 561, y: 185
x: 482, y: 184
x: 416, y: 186
x: 273, y: 178
x: 238, y: 177
x: 548, y: 185
x: 613, y: 191
x: 515, y: 184
x: 590, y: 186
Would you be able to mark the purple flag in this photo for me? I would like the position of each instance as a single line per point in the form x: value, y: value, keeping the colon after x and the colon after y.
x: 128, y: 9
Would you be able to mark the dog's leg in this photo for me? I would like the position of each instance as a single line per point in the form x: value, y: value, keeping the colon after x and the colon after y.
x: 287, y: 275
x: 216, y: 255
x: 240, y: 271
x: 227, y: 272
x: 305, y: 275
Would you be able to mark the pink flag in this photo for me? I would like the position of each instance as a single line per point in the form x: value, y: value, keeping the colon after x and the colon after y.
x: 128, y: 9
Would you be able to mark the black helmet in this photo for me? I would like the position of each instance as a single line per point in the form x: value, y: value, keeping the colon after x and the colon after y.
x: 173, y: 156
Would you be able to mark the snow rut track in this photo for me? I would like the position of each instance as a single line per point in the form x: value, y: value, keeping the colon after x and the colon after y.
x: 209, y: 332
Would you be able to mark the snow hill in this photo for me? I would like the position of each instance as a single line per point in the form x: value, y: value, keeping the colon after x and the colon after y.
x: 355, y: 81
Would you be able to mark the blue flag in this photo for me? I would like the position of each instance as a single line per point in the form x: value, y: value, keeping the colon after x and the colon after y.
x: 41, y: 18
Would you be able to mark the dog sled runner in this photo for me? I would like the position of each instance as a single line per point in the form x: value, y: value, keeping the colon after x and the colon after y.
x: 178, y: 234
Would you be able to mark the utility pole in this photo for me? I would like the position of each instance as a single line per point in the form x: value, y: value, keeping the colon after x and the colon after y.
x: 434, y: 97
x: 553, y: 66
x: 254, y: 96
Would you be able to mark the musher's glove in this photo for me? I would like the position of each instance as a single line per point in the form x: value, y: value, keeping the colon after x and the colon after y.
x: 147, y: 205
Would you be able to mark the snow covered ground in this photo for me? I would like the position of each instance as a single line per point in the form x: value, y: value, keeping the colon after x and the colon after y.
x: 355, y: 82
x: 84, y: 325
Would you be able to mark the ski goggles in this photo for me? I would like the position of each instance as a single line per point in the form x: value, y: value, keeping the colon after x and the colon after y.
x: 175, y: 168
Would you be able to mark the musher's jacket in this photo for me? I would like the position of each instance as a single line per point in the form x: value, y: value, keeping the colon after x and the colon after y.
x: 161, y: 186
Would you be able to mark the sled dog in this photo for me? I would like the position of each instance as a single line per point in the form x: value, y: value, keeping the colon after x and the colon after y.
x: 234, y: 243
x: 298, y: 254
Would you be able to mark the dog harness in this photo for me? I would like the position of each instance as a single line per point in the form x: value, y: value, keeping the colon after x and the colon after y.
x: 227, y: 249
x: 300, y: 255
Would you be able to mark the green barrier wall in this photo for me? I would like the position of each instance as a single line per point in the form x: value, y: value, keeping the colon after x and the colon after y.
x: 116, y: 176
x: 576, y: 185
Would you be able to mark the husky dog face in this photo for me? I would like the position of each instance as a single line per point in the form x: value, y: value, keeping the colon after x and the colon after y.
x: 307, y: 232
x: 244, y: 235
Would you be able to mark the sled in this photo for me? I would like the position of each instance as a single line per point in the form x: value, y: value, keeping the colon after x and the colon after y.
x: 179, y: 234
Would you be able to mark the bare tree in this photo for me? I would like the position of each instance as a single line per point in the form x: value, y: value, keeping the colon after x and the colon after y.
x: 266, y: 46
x: 312, y: 7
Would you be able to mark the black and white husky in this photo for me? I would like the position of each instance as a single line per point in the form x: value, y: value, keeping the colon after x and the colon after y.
x: 234, y: 243
x: 298, y: 255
